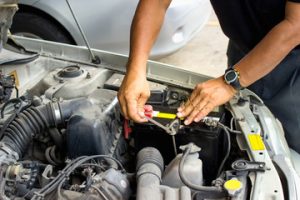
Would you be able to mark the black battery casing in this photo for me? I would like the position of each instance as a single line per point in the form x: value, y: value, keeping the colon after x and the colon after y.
x: 209, y: 139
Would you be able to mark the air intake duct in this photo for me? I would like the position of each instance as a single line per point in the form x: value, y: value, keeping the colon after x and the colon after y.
x: 31, y: 122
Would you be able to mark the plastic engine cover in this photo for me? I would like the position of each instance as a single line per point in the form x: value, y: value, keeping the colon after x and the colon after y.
x: 90, y: 131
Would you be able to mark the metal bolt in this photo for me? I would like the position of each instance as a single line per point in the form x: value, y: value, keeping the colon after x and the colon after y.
x: 261, y: 166
x: 123, y: 183
x: 88, y: 76
x: 174, y: 95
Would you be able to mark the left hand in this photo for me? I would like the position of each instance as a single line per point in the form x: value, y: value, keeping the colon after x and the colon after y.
x: 204, y: 98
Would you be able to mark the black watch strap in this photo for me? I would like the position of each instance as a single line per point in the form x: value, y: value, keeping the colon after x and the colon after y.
x: 234, y: 75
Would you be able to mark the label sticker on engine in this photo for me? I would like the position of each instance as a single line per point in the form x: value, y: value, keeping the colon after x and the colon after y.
x: 15, y: 75
x: 256, y: 142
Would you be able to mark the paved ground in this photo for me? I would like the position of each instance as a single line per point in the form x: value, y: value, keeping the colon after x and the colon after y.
x: 205, y: 53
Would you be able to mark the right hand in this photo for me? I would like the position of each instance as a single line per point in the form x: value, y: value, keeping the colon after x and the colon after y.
x: 133, y: 94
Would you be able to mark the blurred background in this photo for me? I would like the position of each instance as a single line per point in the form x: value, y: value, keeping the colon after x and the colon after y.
x: 205, y: 53
x: 190, y: 37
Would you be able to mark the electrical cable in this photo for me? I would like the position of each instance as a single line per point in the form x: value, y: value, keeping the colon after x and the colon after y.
x: 230, y: 129
x: 14, y: 100
x: 17, y: 91
x: 231, y: 123
x: 20, y: 61
x: 187, y: 182
x: 99, y: 192
x: 228, y: 148
x: 64, y: 174
x: 51, y: 186
x: 59, y: 194
x: 93, y: 165
x: 187, y: 152
x: 226, y: 130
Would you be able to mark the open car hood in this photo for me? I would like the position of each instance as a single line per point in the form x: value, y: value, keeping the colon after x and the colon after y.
x: 7, y: 10
x: 66, y: 110
x: 77, y: 98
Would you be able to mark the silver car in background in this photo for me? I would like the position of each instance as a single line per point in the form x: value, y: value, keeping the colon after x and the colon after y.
x: 106, y: 23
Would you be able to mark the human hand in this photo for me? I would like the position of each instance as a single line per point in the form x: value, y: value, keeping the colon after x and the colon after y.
x: 204, y: 98
x: 133, y: 94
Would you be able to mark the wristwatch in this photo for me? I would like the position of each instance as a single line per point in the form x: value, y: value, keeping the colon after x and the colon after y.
x: 231, y: 77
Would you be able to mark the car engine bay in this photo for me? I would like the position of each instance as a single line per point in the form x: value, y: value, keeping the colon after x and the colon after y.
x: 65, y: 138
x: 62, y: 135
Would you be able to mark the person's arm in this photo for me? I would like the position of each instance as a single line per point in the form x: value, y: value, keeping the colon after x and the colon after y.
x: 273, y: 48
x: 257, y: 63
x: 145, y: 27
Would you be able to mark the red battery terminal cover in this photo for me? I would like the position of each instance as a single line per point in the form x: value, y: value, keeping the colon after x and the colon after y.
x: 148, y: 111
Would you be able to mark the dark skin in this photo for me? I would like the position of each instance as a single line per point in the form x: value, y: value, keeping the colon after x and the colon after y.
x: 260, y: 61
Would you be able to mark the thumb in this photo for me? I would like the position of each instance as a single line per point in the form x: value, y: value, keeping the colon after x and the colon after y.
x: 141, y: 104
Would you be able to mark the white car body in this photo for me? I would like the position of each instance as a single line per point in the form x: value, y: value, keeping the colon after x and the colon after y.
x: 107, y: 23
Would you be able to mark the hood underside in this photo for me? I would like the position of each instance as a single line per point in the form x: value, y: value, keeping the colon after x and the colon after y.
x: 7, y: 10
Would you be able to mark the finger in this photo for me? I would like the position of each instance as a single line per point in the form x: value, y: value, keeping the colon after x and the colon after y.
x: 122, y: 104
x: 191, y: 106
x: 198, y: 88
x: 179, y: 109
x: 186, y: 110
x: 202, y: 101
x: 191, y: 117
x: 192, y: 98
x: 132, y: 110
x: 204, y: 112
x: 141, y: 107
x: 182, y: 106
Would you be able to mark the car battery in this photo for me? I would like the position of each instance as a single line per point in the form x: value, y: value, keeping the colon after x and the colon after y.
x: 208, y: 138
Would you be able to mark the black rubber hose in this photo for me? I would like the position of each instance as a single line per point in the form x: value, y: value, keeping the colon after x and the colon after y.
x: 20, y: 131
x: 150, y: 155
x: 187, y: 182
x: 228, y: 148
x: 35, y: 120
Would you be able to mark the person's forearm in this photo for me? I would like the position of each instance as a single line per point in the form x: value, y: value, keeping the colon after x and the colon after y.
x: 270, y: 51
x: 145, y: 27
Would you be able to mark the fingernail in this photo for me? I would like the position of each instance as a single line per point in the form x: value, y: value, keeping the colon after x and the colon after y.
x: 196, y: 119
x: 179, y: 114
x: 179, y: 109
x: 186, y: 122
x: 199, y: 118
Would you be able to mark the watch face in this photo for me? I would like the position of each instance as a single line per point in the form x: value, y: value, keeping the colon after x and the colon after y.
x: 230, y: 76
